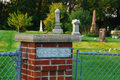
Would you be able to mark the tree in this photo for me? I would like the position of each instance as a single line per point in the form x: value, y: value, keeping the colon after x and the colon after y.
x: 19, y: 20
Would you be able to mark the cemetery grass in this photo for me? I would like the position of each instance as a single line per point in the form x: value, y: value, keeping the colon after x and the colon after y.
x: 88, y: 44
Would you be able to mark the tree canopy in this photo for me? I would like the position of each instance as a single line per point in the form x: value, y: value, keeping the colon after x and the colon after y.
x: 107, y: 11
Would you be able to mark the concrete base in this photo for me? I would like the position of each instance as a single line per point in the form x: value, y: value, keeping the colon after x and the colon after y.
x: 102, y: 40
x: 80, y: 38
x: 76, y: 33
x: 57, y: 30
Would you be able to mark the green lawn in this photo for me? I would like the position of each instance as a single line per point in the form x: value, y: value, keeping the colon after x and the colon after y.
x: 88, y: 44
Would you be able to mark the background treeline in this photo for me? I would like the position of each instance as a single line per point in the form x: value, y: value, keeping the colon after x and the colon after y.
x: 107, y: 13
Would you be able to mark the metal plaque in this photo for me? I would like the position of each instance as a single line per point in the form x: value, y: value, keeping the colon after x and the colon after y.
x: 52, y: 52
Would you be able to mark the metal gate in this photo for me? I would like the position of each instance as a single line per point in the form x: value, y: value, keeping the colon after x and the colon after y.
x: 10, y: 65
x: 97, y: 66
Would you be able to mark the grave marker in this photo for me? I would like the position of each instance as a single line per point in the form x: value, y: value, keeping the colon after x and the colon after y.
x: 57, y: 28
x: 102, y: 35
x: 93, y: 27
x: 41, y: 29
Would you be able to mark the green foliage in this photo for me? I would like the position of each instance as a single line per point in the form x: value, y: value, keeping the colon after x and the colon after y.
x: 118, y: 27
x: 49, y: 22
x: 19, y: 20
x: 84, y: 17
x: 108, y: 33
x: 92, y: 35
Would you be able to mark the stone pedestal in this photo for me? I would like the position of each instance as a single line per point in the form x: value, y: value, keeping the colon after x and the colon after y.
x: 57, y: 28
x: 102, y: 35
x: 76, y: 28
x: 38, y: 66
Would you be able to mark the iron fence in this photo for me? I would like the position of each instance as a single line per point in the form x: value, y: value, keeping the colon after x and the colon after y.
x: 97, y: 66
x: 10, y: 65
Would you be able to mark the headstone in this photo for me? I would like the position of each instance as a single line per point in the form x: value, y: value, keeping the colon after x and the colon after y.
x: 57, y: 28
x: 93, y: 27
x: 102, y: 35
x: 41, y: 29
x: 76, y: 28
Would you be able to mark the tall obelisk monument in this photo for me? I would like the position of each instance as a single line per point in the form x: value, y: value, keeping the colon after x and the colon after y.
x: 93, y: 26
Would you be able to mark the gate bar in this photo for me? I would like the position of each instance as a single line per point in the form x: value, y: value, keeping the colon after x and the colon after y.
x: 9, y: 54
x: 97, y: 53
x: 77, y: 60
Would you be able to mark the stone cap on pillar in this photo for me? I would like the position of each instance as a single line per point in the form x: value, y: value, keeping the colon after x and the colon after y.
x: 46, y: 38
x: 75, y: 21
x: 57, y: 11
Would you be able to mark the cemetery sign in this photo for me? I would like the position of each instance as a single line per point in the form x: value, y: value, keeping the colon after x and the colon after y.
x: 52, y: 52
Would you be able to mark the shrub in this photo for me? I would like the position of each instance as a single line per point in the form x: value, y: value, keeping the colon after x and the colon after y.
x: 19, y: 20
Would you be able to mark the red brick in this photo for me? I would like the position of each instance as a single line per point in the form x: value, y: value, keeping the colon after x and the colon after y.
x: 44, y: 78
x: 52, y: 72
x: 24, y: 77
x: 35, y: 68
x: 32, y: 56
x: 45, y: 73
x: 68, y: 78
x: 31, y: 67
x: 28, y: 72
x: 69, y: 61
x: 36, y: 74
x: 24, y: 44
x: 60, y: 72
x: 68, y: 44
x: 50, y: 45
x: 61, y: 78
x: 32, y: 78
x: 64, y: 67
x: 25, y: 50
x: 32, y: 45
x: 68, y: 72
x: 23, y: 71
x: 25, y: 55
x: 49, y: 68
x: 41, y: 62
x: 52, y: 78
x: 30, y: 61
x: 24, y: 66
x: 21, y: 76
x: 25, y: 61
x: 38, y: 44
x: 32, y: 50
x: 57, y: 61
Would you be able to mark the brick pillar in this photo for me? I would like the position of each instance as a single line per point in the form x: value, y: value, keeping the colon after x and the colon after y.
x: 34, y: 68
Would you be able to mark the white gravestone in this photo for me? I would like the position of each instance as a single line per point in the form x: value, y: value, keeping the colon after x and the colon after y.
x: 76, y: 28
x: 57, y: 28
x: 41, y: 26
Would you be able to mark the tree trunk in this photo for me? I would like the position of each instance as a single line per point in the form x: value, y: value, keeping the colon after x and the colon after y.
x: 40, y: 2
x: 70, y: 6
x: 18, y: 29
